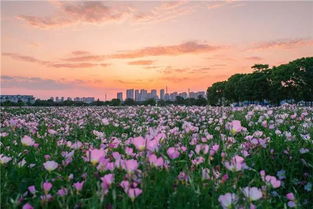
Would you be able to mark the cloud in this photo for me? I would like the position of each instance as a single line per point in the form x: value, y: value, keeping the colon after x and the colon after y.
x: 54, y: 64
x: 33, y: 83
x: 71, y: 13
x: 25, y: 58
x: 217, y: 4
x: 37, y: 83
x: 85, y: 58
x: 141, y: 62
x: 190, y: 47
x: 79, y: 52
x: 75, y: 65
x: 180, y: 71
x: 284, y: 44
x: 96, y: 12
x: 254, y: 58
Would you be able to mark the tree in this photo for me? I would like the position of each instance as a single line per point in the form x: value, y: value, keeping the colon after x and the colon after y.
x: 129, y: 102
x: 260, y: 67
x: 115, y: 102
x: 216, y: 92
x: 149, y: 102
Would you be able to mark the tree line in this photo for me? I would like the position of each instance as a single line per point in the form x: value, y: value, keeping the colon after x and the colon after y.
x: 200, y: 101
x: 292, y: 81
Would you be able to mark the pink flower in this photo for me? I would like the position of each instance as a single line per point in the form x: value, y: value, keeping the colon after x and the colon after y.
x: 236, y: 163
x: 235, y: 126
x: 107, y: 180
x: 130, y: 165
x: 224, y: 178
x: 62, y: 192
x: 27, y: 141
x: 125, y: 185
x: 158, y: 162
x: 78, y: 186
x: 46, y: 187
x: 133, y: 193
x: 105, y: 121
x: 214, y: 149
x: 4, y: 159
x: 95, y: 155
x: 173, y: 153
x: 290, y: 196
x: 252, y: 193
x: 228, y: 200
x: 50, y: 165
x: 273, y: 181
x: 52, y: 132
x: 139, y: 142
x: 32, y: 189
x: 27, y: 206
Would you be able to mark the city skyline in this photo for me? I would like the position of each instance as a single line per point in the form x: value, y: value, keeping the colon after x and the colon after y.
x: 82, y: 49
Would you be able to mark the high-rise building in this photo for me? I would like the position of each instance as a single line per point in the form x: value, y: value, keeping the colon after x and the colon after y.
x: 143, y: 95
x: 120, y: 96
x: 130, y: 94
x: 154, y: 94
x: 162, y: 92
x: 137, y: 95
x: 173, y: 96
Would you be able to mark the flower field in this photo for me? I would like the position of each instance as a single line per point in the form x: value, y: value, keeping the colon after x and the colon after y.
x: 157, y: 157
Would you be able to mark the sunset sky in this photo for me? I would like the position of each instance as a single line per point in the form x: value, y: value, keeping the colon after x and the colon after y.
x: 84, y: 48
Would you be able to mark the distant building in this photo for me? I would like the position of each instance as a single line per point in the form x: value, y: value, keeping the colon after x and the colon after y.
x: 88, y: 100
x: 17, y: 98
x: 137, y: 95
x: 162, y: 94
x: 154, y: 94
x: 183, y: 95
x: 173, y: 96
x: 195, y: 95
x: 119, y: 96
x: 143, y: 95
x: 130, y: 94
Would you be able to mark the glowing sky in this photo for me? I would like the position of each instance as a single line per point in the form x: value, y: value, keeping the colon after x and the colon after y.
x: 66, y: 48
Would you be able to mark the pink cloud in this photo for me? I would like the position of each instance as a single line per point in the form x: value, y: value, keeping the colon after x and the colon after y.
x: 96, y: 12
x: 53, y: 64
x: 169, y: 50
x: 141, y: 62
x: 284, y: 44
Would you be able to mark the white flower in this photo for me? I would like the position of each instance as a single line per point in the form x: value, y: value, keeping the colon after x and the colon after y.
x: 50, y: 165
x: 252, y: 193
x: 227, y: 200
x: 4, y: 159
x: 27, y: 141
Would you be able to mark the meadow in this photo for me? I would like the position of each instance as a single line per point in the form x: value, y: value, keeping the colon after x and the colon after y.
x: 157, y: 157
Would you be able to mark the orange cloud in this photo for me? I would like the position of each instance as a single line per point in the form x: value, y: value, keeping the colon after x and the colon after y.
x: 253, y: 58
x: 170, y: 50
x: 76, y: 65
x: 141, y: 62
x: 25, y: 58
x: 96, y: 12
x: 285, y: 44
x: 71, y: 13
x: 53, y: 64
x: 85, y: 58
